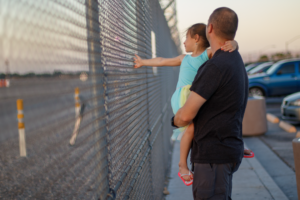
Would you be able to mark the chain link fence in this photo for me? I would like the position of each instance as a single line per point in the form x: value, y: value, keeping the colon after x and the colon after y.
x: 91, y: 126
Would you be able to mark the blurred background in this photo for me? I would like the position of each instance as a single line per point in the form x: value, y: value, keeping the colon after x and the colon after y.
x: 267, y: 29
x: 78, y: 122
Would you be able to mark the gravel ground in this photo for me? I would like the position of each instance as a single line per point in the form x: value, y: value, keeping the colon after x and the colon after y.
x: 52, y: 168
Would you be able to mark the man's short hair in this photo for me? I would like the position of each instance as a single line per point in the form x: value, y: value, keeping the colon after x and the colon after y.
x: 225, y: 22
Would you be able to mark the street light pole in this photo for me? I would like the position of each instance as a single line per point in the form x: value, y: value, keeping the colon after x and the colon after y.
x: 264, y: 49
x: 290, y: 41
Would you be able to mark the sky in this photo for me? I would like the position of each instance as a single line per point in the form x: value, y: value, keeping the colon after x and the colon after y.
x: 264, y: 25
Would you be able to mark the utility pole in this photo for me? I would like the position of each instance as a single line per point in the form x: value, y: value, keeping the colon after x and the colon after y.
x: 289, y: 42
x: 7, y: 75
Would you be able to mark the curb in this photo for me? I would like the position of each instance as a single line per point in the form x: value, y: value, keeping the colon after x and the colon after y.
x: 287, y: 127
x: 266, y: 179
x: 272, y: 118
x: 282, y: 124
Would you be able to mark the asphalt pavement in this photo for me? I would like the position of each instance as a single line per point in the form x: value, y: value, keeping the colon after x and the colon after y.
x: 279, y: 141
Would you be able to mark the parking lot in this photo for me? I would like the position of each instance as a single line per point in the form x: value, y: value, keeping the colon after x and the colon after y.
x: 280, y: 142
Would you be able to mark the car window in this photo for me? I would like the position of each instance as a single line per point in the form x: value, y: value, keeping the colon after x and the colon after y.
x: 287, y: 69
x: 251, y: 66
x: 260, y: 68
x: 273, y: 68
x: 266, y: 69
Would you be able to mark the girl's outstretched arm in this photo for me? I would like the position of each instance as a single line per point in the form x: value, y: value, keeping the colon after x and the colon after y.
x: 158, y: 62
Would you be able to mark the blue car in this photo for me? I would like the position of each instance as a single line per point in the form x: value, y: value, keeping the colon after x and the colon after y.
x: 282, y: 78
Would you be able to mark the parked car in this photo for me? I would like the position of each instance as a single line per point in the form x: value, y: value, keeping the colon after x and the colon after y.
x: 251, y: 66
x: 282, y: 78
x: 262, y: 68
x: 290, y: 107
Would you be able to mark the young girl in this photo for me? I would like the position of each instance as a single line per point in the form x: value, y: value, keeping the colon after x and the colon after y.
x: 197, y: 44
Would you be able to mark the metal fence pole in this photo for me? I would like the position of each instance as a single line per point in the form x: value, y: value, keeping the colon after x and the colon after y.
x: 96, y: 73
x: 142, y: 17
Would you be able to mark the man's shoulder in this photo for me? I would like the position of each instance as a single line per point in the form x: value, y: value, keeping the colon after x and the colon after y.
x: 226, y: 59
x: 212, y: 64
x: 209, y: 64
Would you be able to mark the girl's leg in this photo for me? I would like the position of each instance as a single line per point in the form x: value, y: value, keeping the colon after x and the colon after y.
x: 185, y: 145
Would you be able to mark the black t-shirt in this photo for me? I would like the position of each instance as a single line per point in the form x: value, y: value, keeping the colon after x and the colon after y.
x: 223, y: 82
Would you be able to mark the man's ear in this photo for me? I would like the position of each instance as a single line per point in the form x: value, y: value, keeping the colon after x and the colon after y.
x: 209, y: 28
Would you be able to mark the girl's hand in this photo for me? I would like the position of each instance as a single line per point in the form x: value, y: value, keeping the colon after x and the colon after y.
x: 230, y: 46
x: 137, y: 61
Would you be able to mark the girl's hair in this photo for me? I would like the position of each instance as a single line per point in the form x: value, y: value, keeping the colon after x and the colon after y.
x: 199, y: 29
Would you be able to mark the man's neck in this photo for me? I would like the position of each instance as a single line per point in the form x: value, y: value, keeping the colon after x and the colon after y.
x: 216, y: 44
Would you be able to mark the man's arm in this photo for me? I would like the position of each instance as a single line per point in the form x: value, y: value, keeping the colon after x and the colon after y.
x: 189, y: 110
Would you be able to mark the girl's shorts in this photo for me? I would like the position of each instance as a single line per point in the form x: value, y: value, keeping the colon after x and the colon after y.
x: 178, y: 100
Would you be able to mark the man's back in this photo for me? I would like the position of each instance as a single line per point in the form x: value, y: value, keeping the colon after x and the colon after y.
x: 223, y: 82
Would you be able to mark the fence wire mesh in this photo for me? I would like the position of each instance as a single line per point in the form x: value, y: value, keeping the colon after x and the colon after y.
x: 95, y: 127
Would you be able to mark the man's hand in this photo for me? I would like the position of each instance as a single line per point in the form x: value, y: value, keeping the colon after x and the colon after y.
x: 190, y: 109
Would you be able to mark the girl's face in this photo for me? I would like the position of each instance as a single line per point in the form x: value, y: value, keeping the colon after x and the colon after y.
x: 189, y: 43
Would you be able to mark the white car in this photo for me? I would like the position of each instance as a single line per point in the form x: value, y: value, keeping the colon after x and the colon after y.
x: 262, y: 68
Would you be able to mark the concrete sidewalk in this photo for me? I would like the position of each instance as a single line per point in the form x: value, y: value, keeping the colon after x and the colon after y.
x: 250, y: 182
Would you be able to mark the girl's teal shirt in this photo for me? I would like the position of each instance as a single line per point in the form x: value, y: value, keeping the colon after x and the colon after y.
x: 189, y: 67
x: 187, y: 72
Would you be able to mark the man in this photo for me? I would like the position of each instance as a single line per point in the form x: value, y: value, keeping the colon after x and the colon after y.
x: 216, y: 105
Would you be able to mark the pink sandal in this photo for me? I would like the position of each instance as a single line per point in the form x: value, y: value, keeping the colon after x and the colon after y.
x: 249, y: 156
x: 187, y: 183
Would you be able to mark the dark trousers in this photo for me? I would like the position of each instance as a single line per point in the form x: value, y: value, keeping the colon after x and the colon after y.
x: 213, y: 181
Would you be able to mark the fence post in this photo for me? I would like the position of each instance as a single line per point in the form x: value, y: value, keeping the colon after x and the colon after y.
x: 153, y: 48
x: 96, y: 73
x: 21, y: 127
x: 77, y: 102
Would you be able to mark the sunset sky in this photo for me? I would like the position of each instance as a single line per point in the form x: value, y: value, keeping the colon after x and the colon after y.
x: 262, y: 23
x: 264, y: 28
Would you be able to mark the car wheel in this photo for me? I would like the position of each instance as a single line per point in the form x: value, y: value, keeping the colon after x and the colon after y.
x: 256, y: 92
